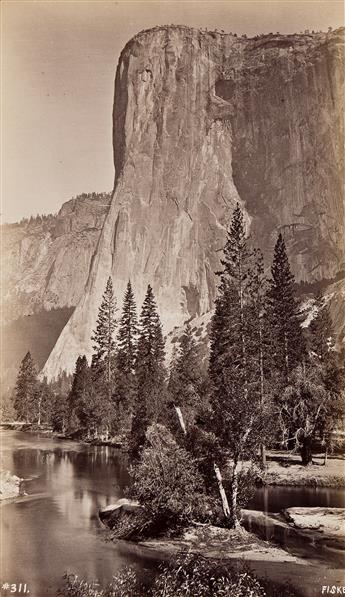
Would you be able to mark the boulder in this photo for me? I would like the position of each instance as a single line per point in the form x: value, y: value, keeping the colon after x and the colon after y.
x: 10, y: 485
x: 329, y: 521
x: 110, y: 514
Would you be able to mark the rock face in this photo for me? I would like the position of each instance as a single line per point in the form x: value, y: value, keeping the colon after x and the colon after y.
x: 45, y: 262
x: 202, y: 121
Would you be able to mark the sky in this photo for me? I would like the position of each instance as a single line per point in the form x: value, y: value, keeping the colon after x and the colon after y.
x: 57, y: 77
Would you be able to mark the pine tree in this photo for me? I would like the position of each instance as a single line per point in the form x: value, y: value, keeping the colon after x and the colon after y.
x: 78, y: 396
x: 259, y: 348
x: 127, y: 334
x: 103, y: 336
x: 25, y: 389
x: 149, y: 371
x: 43, y: 402
x: 234, y: 369
x: 287, y: 338
x: 124, y: 386
x: 185, y: 380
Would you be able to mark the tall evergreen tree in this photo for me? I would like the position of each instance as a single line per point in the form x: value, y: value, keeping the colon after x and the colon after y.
x: 26, y: 387
x: 287, y: 338
x: 103, y: 336
x: 149, y: 370
x: 127, y: 338
x: 185, y: 379
x: 127, y: 334
x: 238, y: 419
x: 78, y: 396
x: 259, y: 348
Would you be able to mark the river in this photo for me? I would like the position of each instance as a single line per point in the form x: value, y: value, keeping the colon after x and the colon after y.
x: 56, y: 529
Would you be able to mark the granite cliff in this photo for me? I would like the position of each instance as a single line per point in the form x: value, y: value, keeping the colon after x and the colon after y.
x: 46, y: 260
x: 203, y: 120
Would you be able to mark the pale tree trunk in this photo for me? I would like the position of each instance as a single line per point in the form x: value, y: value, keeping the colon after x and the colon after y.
x: 325, y: 458
x: 180, y: 418
x: 262, y: 446
x: 39, y: 411
x: 234, y: 493
x: 224, y: 499
x: 287, y: 366
x: 244, y: 350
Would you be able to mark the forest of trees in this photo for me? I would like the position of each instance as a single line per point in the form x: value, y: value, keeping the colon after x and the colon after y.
x: 268, y: 382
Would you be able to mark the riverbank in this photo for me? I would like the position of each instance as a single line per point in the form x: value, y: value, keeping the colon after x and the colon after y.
x: 77, y: 436
x: 283, y: 468
x: 219, y: 543
x: 286, y: 470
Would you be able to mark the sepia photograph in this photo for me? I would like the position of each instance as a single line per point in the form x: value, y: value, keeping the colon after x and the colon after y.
x: 172, y: 414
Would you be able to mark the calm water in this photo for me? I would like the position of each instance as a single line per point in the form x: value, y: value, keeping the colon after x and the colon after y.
x: 56, y: 529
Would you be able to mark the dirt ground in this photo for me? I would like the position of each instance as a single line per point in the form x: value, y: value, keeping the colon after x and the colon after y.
x: 284, y: 468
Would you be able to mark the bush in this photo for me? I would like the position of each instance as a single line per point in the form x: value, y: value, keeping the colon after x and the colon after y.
x: 198, y: 577
x: 167, y: 481
x: 186, y: 576
x: 124, y: 584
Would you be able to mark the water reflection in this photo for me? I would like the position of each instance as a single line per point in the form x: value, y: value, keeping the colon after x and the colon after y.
x: 277, y: 498
x: 57, y: 529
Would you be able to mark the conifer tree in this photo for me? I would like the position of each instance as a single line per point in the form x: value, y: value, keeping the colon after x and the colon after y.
x: 25, y: 389
x: 287, y: 339
x: 127, y: 338
x: 238, y: 416
x: 149, y: 370
x: 78, y: 396
x: 103, y: 336
x: 185, y: 379
x: 259, y: 346
x: 127, y: 334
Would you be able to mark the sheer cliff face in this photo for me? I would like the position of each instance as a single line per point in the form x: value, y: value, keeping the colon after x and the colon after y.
x: 202, y: 121
x: 45, y: 263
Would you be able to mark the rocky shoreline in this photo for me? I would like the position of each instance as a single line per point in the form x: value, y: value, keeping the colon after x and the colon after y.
x: 10, y: 486
x: 261, y: 538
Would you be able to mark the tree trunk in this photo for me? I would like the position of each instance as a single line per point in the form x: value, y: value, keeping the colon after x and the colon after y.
x: 39, y: 412
x: 262, y: 446
x: 287, y: 366
x: 234, y: 492
x: 325, y: 458
x: 306, y: 453
x: 224, y: 499
x: 180, y: 418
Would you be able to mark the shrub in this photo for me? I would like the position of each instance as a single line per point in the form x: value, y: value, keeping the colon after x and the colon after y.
x: 125, y: 583
x: 195, y: 575
x: 166, y: 479
x: 186, y: 576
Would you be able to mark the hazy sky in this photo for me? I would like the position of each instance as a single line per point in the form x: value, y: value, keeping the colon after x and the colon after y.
x: 58, y: 69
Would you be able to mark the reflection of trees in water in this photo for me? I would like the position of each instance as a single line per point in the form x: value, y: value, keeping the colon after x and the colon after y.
x: 82, y: 480
x: 28, y: 461
x: 102, y: 465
